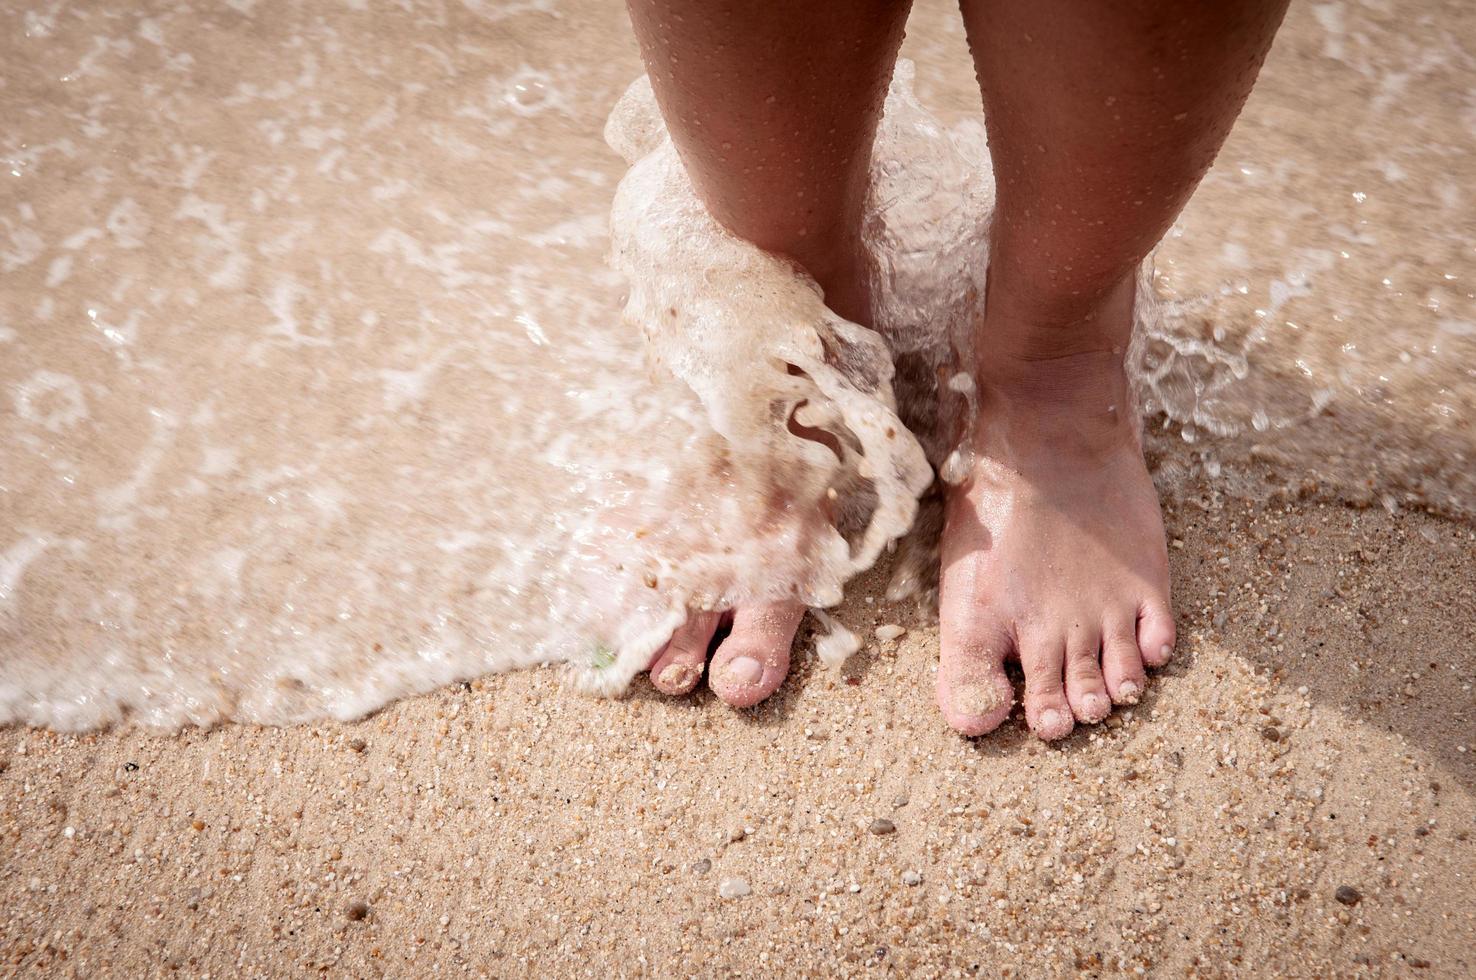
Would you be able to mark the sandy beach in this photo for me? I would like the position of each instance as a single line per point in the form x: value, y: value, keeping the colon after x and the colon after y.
x: 1295, y: 796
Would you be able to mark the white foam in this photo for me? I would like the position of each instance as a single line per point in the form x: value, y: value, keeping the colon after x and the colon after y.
x: 751, y: 336
x: 14, y: 561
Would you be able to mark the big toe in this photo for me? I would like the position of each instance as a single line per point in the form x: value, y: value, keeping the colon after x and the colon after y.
x: 977, y: 704
x: 754, y: 660
x: 974, y: 694
x: 678, y: 667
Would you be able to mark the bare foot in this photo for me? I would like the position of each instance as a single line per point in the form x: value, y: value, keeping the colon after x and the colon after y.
x: 753, y: 660
x: 750, y: 663
x: 1053, y: 549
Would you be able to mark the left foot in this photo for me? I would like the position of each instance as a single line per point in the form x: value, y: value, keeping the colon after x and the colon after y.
x: 750, y: 663
x: 1053, y: 548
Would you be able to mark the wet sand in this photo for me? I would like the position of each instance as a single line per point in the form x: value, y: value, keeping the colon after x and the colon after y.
x: 1294, y: 796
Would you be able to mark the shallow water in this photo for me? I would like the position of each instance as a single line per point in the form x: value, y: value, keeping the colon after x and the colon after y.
x: 317, y: 390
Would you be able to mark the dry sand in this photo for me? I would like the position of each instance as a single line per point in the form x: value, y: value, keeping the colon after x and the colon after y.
x: 1294, y: 797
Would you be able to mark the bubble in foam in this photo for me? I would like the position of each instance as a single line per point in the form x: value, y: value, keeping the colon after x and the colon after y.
x: 529, y: 92
x: 52, y: 400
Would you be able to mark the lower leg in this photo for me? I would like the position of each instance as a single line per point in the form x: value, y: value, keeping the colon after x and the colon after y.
x: 773, y: 108
x: 1102, y: 118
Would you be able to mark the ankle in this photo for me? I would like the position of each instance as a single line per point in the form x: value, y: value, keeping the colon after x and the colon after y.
x: 1039, y: 368
x: 1026, y: 324
x: 1070, y: 390
x: 1050, y: 415
x: 845, y: 279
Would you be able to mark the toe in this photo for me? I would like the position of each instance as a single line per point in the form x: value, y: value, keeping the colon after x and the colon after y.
x: 1046, y: 707
x: 1122, y: 663
x: 678, y: 667
x: 754, y: 660
x: 974, y: 694
x: 1156, y: 633
x: 1085, y: 688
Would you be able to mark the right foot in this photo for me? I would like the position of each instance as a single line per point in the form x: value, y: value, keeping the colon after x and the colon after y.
x: 749, y: 664
x: 752, y: 661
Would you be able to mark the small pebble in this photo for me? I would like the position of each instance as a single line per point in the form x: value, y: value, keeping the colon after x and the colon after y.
x: 357, y: 912
x: 1271, y: 733
x: 1348, y: 895
x: 899, y: 801
x: 881, y: 825
x: 358, y: 744
x: 890, y: 631
x: 911, y: 879
x: 733, y: 888
x: 736, y: 834
x: 702, y: 867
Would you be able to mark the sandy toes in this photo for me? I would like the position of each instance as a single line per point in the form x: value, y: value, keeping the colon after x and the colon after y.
x: 748, y: 665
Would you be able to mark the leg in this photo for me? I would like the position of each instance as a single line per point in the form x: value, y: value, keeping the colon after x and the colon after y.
x: 773, y: 107
x: 1102, y: 119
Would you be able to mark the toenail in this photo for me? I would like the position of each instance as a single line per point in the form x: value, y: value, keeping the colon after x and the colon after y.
x: 1052, y: 720
x: 678, y: 677
x: 744, y: 670
x: 1165, y: 651
x: 1094, y: 706
x: 1129, y: 692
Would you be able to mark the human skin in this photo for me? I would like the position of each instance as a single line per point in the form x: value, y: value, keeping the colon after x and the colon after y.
x: 1102, y: 119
